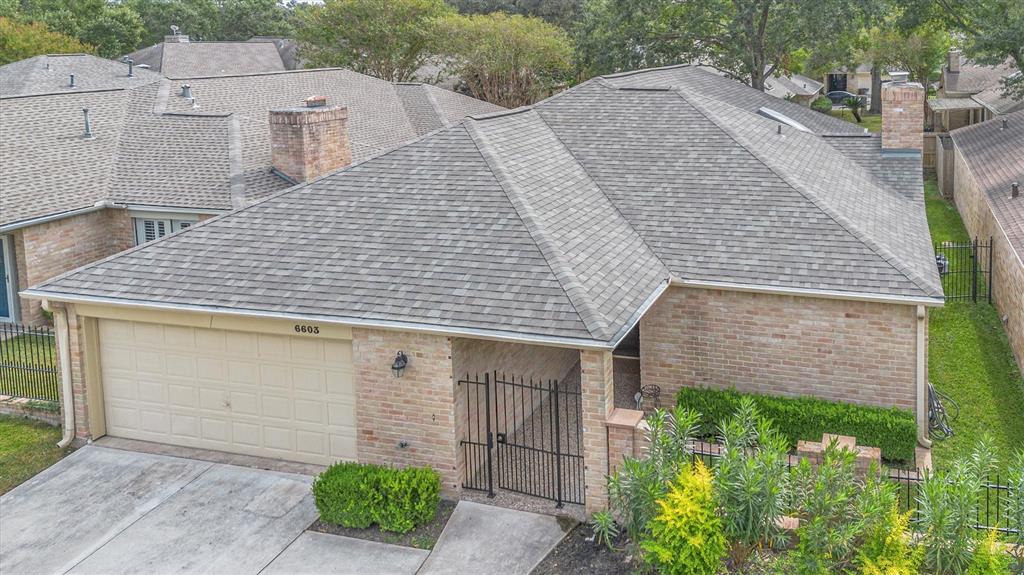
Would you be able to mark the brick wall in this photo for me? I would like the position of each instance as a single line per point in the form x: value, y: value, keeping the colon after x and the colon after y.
x: 418, y: 407
x: 596, y: 385
x: 477, y: 356
x: 309, y: 142
x: 50, y: 249
x: 1008, y: 272
x: 903, y: 116
x: 839, y: 350
x: 21, y: 407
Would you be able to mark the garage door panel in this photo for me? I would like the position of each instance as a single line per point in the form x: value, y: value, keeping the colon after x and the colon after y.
x: 291, y: 397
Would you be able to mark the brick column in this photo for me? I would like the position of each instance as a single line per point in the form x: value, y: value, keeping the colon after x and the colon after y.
x: 903, y: 116
x: 596, y: 385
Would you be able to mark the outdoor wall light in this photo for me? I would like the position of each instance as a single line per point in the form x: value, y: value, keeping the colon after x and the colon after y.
x: 401, y: 362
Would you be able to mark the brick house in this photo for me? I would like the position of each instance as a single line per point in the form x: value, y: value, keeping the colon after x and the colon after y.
x: 988, y: 169
x: 162, y: 154
x: 664, y: 227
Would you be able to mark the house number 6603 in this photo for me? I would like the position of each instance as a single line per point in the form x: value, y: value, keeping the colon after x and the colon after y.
x: 307, y: 328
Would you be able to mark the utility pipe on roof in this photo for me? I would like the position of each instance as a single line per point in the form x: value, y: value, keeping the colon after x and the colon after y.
x: 922, y: 378
x: 60, y: 320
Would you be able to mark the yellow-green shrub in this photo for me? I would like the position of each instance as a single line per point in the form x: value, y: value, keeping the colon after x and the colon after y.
x: 989, y: 557
x: 887, y: 549
x: 686, y: 536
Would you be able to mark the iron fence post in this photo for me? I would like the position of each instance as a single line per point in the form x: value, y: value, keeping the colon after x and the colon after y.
x: 558, y: 447
x: 974, y: 270
x: 991, y: 272
x: 490, y: 434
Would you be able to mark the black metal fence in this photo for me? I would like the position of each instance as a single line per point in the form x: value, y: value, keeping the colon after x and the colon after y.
x: 966, y: 270
x: 28, y: 362
x: 524, y: 436
x: 990, y: 512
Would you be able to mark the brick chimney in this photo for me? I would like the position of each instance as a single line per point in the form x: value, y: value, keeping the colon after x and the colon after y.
x: 953, y: 60
x: 310, y: 141
x: 902, y: 114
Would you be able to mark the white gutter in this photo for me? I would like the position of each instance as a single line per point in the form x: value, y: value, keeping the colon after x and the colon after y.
x: 922, y: 380
x: 334, y: 320
x: 173, y: 210
x: 60, y: 320
x: 826, y: 294
x: 101, y: 205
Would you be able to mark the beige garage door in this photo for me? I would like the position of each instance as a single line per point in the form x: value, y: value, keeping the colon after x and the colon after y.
x: 271, y: 395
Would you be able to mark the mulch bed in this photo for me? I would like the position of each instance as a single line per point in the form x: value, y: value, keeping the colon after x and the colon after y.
x: 576, y: 555
x: 422, y: 537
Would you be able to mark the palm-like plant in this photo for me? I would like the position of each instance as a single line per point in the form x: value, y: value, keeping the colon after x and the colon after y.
x: 752, y: 481
x: 1015, y: 510
x: 855, y: 106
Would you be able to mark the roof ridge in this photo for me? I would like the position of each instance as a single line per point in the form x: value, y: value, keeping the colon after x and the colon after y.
x: 65, y: 93
x: 845, y: 223
x: 564, y: 273
x: 644, y: 71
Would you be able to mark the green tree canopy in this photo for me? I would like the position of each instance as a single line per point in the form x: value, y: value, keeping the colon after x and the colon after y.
x: 509, y: 60
x: 197, y: 18
x: 112, y: 28
x: 389, y: 39
x: 20, y: 40
x: 992, y: 31
x: 564, y: 13
x: 243, y: 19
x: 618, y: 35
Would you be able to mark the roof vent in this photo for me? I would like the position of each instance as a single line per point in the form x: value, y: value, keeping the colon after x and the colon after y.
x: 1014, y: 190
x: 1006, y: 124
x: 131, y: 65
x: 186, y: 91
x: 88, y: 135
x: 316, y: 101
x: 72, y: 84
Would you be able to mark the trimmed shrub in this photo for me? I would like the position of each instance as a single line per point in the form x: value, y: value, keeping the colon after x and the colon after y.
x: 891, y: 429
x: 686, y: 536
x: 357, y: 496
x: 989, y: 557
x: 822, y: 104
x: 887, y: 549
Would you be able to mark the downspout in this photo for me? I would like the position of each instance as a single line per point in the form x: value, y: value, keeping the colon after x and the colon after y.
x: 60, y: 320
x: 922, y: 379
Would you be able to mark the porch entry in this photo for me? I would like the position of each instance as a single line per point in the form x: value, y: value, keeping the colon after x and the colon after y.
x: 523, y: 436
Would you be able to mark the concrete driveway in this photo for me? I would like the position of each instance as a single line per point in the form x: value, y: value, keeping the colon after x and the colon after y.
x: 102, y: 511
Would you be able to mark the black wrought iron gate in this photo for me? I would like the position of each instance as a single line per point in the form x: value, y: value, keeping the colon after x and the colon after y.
x: 966, y: 270
x: 523, y: 436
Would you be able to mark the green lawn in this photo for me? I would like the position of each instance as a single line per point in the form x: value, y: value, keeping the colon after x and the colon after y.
x: 873, y: 122
x: 26, y: 448
x: 969, y: 359
x: 28, y: 350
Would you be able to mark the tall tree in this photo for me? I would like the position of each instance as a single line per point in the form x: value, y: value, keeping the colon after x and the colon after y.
x: 20, y: 40
x: 752, y: 39
x: 992, y: 32
x: 112, y: 28
x: 389, y: 39
x: 564, y: 13
x: 199, y: 19
x: 618, y: 35
x: 509, y: 60
x: 243, y: 19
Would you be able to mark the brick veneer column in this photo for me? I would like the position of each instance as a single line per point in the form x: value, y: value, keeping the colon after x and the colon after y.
x: 596, y: 385
x: 418, y: 408
x: 903, y: 116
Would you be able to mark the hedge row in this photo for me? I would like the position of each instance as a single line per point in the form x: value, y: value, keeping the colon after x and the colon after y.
x: 357, y: 495
x: 891, y: 429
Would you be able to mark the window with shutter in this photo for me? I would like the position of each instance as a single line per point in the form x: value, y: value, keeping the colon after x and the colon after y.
x: 148, y: 229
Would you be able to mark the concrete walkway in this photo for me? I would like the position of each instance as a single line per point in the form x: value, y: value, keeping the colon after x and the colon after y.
x: 103, y: 510
x: 485, y: 539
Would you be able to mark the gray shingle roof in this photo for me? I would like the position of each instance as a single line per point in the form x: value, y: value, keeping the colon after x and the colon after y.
x: 973, y: 77
x: 51, y: 73
x: 381, y: 115
x: 190, y: 59
x: 993, y: 99
x: 163, y: 152
x: 561, y: 220
x: 995, y: 158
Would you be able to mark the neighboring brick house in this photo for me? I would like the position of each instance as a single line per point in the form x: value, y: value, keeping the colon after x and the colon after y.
x: 970, y: 93
x: 667, y: 227
x: 988, y: 168
x: 160, y: 157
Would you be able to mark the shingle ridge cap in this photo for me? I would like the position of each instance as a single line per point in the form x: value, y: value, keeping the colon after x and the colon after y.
x: 65, y: 93
x: 644, y: 71
x: 849, y: 226
x: 564, y: 273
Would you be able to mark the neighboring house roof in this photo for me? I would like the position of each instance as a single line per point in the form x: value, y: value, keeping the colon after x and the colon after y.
x: 155, y: 149
x: 186, y: 59
x: 134, y: 157
x: 993, y: 99
x: 973, y: 77
x: 795, y: 85
x: 381, y: 115
x: 947, y: 104
x: 994, y: 156
x: 562, y: 220
x: 51, y: 73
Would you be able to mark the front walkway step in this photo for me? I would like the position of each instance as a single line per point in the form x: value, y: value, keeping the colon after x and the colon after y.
x: 494, y: 540
x: 322, y: 553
